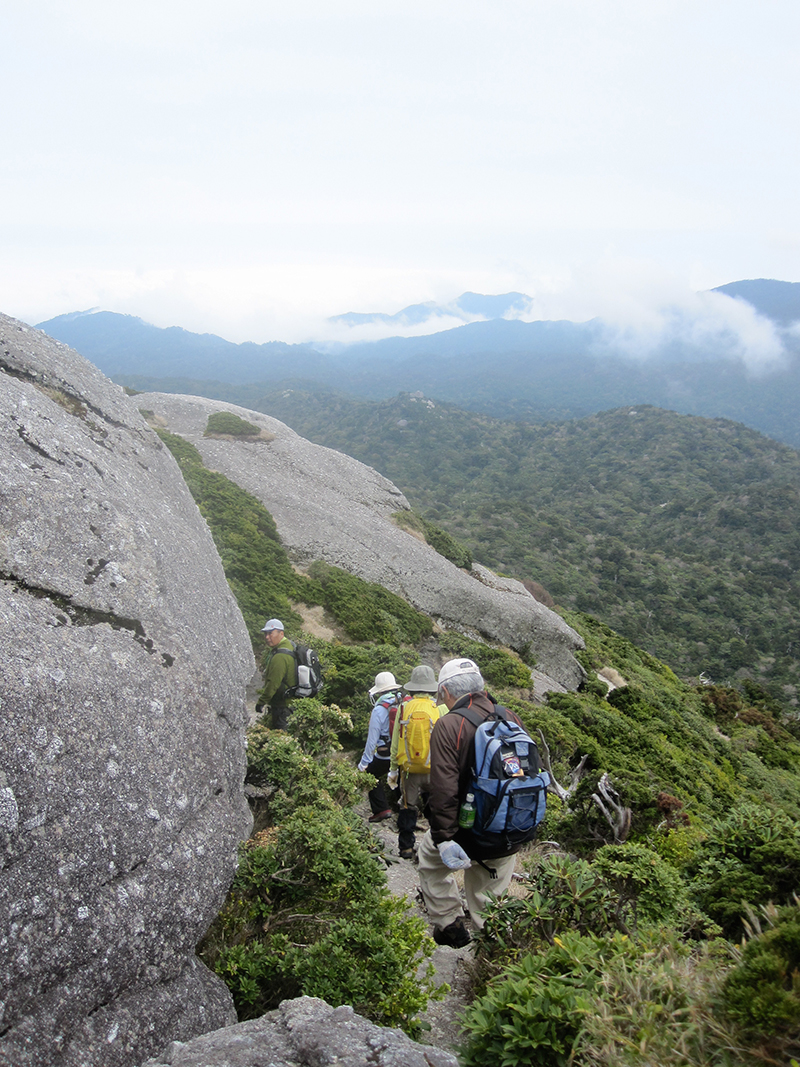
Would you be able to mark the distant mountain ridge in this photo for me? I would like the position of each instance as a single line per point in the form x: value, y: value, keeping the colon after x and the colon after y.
x: 466, y: 307
x: 535, y: 371
x: 779, y: 301
x: 124, y: 344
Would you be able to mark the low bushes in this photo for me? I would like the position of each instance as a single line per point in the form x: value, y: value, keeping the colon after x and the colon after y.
x: 762, y: 993
x: 750, y: 857
x: 225, y: 422
x: 309, y: 912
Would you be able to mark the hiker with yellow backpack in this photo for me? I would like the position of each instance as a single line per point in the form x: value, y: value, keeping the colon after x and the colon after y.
x: 411, y: 752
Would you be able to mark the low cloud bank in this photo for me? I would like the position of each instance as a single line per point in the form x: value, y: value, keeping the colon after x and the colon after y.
x: 686, y: 327
x: 707, y: 327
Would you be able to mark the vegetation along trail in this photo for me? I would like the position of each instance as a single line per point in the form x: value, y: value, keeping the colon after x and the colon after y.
x: 659, y: 921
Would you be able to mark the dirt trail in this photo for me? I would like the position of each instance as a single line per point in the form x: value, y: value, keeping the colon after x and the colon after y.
x: 450, y: 963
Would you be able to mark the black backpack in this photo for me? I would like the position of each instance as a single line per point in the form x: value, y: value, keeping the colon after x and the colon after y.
x: 309, y: 671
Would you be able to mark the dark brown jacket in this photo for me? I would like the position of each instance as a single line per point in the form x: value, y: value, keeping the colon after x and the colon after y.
x: 452, y: 755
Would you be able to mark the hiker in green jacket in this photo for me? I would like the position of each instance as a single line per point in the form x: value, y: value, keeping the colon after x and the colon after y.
x: 280, y: 675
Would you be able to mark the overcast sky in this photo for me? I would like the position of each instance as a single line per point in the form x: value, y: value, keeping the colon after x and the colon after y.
x: 251, y: 167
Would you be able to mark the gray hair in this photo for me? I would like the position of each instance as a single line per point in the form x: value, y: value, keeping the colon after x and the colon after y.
x: 462, y: 684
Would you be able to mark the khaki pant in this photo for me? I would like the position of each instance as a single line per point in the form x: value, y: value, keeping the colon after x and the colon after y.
x: 440, y: 889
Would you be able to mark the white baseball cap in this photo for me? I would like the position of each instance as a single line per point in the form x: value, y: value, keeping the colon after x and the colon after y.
x: 272, y: 624
x: 454, y: 668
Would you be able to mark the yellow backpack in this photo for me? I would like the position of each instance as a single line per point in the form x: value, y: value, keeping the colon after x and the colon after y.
x: 417, y: 717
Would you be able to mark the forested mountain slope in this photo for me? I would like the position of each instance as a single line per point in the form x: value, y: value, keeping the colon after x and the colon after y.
x: 680, y: 532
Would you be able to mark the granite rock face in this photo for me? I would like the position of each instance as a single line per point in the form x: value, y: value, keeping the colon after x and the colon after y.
x: 305, y: 1032
x: 123, y: 665
x: 331, y: 507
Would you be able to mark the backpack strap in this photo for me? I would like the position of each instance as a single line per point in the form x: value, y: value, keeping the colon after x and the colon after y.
x: 286, y: 651
x: 499, y: 714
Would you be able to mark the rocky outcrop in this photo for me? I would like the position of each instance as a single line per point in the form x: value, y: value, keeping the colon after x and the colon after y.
x: 304, y: 1033
x: 124, y: 661
x: 331, y: 507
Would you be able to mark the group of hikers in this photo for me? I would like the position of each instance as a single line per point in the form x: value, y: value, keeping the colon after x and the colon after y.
x: 443, y: 745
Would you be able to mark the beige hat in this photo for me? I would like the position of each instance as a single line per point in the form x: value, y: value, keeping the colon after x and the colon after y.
x: 384, y: 683
x: 422, y: 680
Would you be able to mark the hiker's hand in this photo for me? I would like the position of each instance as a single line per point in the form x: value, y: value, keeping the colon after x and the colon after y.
x: 454, y: 856
x: 259, y: 709
x: 391, y: 779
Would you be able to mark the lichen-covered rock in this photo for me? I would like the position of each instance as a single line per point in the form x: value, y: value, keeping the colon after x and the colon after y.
x: 329, y: 506
x: 123, y: 664
x: 305, y: 1032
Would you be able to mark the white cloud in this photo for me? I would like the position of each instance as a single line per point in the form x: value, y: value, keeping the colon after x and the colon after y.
x: 255, y: 168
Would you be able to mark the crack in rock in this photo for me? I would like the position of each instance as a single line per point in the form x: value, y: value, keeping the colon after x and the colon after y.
x: 75, y: 405
x: 78, y: 615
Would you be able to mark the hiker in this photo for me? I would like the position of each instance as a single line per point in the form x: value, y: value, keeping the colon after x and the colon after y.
x: 384, y: 696
x: 280, y: 674
x: 446, y: 848
x: 410, y: 755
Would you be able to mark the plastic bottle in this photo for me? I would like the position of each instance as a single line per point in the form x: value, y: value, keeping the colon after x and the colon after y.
x: 466, y: 813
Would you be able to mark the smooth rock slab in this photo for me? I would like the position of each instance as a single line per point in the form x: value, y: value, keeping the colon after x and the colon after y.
x: 305, y: 1032
x: 123, y: 666
x: 329, y: 506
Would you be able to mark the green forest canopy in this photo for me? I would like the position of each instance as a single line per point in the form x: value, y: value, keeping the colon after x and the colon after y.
x: 681, y: 532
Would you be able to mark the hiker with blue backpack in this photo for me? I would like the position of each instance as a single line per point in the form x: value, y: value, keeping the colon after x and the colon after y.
x: 385, y: 695
x: 411, y: 753
x: 486, y: 799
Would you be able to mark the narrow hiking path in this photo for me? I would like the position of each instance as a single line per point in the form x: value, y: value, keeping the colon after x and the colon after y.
x: 450, y: 963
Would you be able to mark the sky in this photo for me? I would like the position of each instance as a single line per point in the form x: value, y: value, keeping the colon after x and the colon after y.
x: 251, y: 168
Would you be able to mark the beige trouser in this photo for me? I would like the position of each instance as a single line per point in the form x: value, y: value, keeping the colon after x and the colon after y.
x: 414, y: 785
x: 440, y: 889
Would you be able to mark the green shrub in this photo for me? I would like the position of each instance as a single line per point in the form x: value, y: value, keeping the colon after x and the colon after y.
x: 499, y: 667
x: 762, y: 992
x: 309, y: 913
x: 295, y: 776
x: 183, y: 451
x: 367, y: 611
x: 626, y: 889
x: 532, y: 1014
x: 350, y: 672
x: 317, y: 726
x: 225, y: 422
x: 648, y: 889
x: 447, y: 546
x: 255, y: 562
x: 750, y: 857
x: 443, y: 543
x: 563, y: 894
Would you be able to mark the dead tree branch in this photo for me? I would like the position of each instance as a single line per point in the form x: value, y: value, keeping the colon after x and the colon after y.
x: 574, y: 776
x: 613, y: 811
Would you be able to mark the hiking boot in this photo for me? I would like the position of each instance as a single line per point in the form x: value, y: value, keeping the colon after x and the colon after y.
x: 455, y: 935
x: 406, y: 853
x: 381, y: 815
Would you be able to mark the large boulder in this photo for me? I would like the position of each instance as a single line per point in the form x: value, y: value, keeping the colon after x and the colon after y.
x: 305, y: 1032
x: 124, y: 661
x: 331, y: 507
